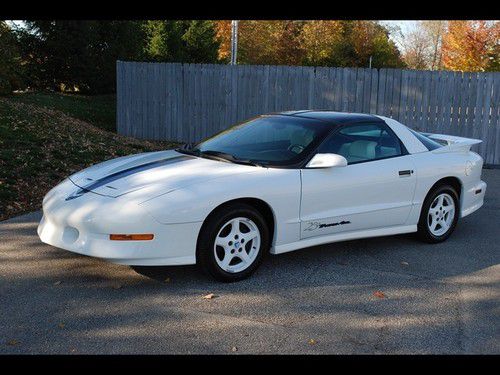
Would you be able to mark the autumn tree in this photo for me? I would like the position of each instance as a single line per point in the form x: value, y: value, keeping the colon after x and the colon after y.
x: 353, y: 43
x: 326, y: 43
x: 472, y: 46
x: 417, y: 49
x: 263, y: 42
x: 320, y: 41
x: 434, y: 31
x: 223, y: 36
x: 422, y: 45
x: 288, y: 47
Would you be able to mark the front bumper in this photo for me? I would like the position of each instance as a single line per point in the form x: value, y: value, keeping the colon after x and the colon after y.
x: 83, y: 226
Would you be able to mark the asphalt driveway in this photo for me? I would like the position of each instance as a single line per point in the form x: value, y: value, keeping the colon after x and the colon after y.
x: 382, y: 295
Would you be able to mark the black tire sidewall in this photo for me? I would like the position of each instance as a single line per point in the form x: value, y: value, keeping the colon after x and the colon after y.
x: 205, y: 255
x: 423, y: 228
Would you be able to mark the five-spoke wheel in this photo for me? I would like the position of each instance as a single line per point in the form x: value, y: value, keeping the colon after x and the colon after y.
x: 232, y: 242
x: 237, y: 244
x: 439, y: 214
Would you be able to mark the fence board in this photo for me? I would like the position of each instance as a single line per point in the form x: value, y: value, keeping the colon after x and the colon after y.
x: 188, y: 102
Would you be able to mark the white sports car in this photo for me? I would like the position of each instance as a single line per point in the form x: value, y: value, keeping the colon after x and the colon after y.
x: 275, y: 183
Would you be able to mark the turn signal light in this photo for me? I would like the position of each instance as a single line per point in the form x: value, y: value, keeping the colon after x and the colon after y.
x: 131, y: 237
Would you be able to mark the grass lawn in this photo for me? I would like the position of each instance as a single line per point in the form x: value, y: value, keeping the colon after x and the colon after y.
x: 46, y: 137
x: 99, y: 110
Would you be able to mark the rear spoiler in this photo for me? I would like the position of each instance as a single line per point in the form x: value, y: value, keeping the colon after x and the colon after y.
x: 452, y: 143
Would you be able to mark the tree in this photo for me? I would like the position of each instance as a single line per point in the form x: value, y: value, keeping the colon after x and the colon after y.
x: 10, y: 65
x: 288, y: 47
x: 369, y: 38
x: 320, y: 42
x: 417, y: 52
x: 164, y: 40
x: 472, y: 46
x: 201, y: 43
x: 181, y: 41
x: 263, y: 42
x: 326, y: 43
x: 435, y: 31
x: 78, y: 55
x: 223, y: 36
x: 422, y: 47
x: 256, y: 42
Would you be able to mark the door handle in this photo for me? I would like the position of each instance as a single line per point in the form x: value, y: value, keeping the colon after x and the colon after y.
x: 406, y: 173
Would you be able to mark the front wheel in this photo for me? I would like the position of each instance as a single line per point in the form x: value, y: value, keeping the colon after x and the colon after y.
x: 232, y: 242
x: 439, y: 214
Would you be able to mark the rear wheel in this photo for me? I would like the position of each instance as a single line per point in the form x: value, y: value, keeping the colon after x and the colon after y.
x: 439, y: 214
x: 232, y: 243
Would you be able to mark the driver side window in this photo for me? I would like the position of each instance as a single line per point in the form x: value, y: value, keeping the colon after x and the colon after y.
x: 363, y: 142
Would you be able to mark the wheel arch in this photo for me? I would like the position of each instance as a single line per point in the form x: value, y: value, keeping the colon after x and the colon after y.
x: 451, y: 180
x: 454, y: 181
x: 260, y: 205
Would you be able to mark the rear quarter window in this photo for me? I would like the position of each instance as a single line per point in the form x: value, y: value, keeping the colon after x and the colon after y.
x: 430, y: 144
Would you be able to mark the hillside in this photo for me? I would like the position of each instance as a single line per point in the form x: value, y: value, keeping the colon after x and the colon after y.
x: 46, y: 137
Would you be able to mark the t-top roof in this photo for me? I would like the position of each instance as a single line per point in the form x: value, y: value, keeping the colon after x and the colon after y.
x: 332, y: 116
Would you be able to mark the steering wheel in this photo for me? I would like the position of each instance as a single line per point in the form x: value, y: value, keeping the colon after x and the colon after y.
x: 296, y: 148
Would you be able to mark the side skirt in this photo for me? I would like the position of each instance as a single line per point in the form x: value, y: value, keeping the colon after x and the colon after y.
x: 314, y: 241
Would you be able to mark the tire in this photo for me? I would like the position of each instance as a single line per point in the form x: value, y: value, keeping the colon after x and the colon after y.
x: 437, y: 220
x: 233, y: 227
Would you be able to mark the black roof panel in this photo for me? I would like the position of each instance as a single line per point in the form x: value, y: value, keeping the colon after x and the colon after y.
x: 332, y: 116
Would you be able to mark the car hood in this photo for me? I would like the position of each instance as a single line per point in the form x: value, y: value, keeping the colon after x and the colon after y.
x: 159, y: 172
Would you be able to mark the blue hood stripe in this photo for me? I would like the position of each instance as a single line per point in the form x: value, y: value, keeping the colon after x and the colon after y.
x: 127, y: 172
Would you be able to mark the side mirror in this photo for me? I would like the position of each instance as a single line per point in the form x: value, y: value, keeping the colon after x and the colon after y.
x: 327, y: 161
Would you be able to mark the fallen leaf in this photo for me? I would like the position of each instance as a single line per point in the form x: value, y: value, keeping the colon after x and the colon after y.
x: 379, y: 294
x: 234, y: 349
x: 312, y: 341
x: 210, y: 296
x: 57, y: 283
x: 167, y: 280
x: 62, y: 325
x: 12, y: 342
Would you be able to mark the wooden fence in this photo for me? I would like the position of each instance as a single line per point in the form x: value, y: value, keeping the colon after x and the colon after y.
x: 188, y: 102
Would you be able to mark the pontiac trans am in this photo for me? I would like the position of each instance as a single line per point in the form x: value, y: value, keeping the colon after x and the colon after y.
x: 273, y: 184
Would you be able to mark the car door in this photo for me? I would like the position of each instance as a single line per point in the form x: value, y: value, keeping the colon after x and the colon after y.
x: 374, y: 190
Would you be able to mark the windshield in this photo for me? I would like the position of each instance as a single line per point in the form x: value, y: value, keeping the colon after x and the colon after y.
x: 266, y: 140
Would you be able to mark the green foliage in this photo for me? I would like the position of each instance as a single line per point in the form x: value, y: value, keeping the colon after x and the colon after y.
x: 181, y: 41
x: 354, y: 44
x: 164, y: 40
x: 200, y: 41
x: 79, y: 55
x: 337, y: 43
x: 10, y: 67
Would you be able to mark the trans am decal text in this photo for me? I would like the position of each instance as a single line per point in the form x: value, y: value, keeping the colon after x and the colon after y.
x: 317, y: 225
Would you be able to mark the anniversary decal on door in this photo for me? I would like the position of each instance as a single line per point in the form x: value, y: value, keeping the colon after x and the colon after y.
x: 313, y: 225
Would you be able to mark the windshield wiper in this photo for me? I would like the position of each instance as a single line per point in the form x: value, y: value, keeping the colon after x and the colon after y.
x: 230, y: 157
x: 187, y: 148
x: 219, y: 155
